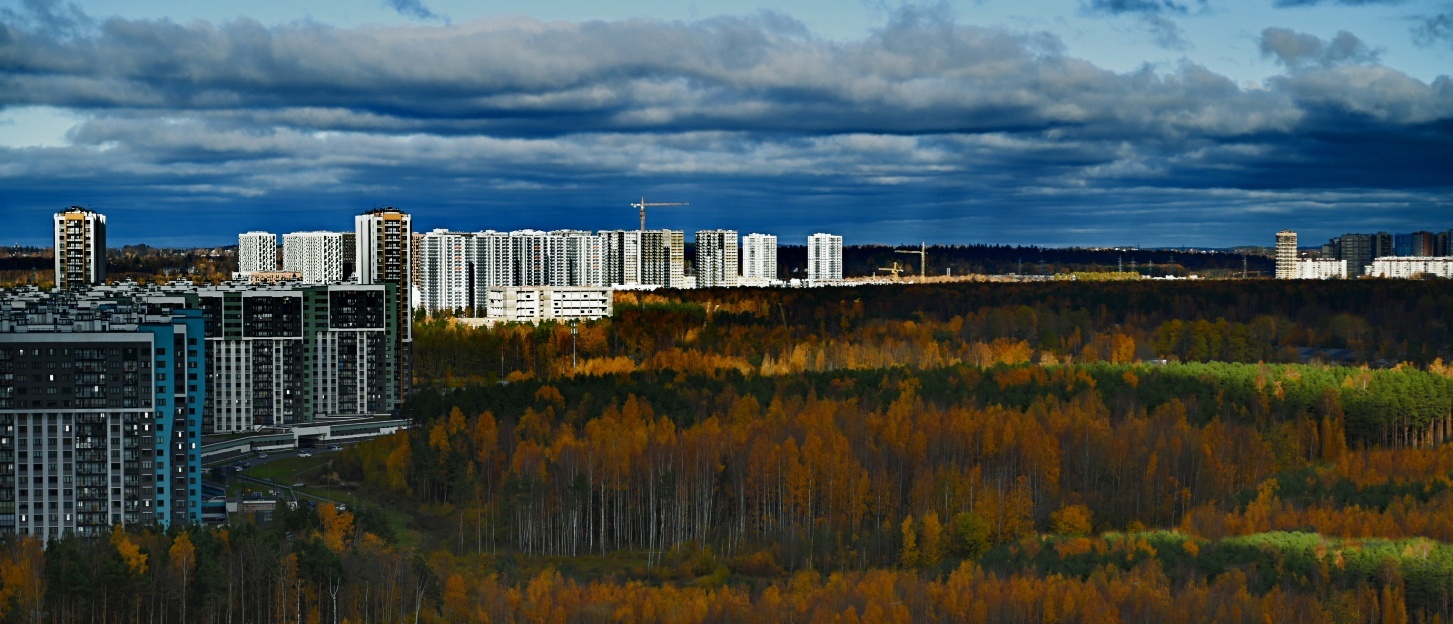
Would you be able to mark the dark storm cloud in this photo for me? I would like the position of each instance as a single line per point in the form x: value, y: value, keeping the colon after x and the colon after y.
x: 1117, y: 7
x: 1294, y: 49
x: 1435, y: 29
x: 412, y: 8
x: 924, y: 128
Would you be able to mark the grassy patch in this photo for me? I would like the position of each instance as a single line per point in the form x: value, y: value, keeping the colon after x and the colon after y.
x: 403, y: 525
x: 289, y: 469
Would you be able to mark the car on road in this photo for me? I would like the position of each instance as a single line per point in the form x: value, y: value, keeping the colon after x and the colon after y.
x: 261, y: 455
x: 305, y: 453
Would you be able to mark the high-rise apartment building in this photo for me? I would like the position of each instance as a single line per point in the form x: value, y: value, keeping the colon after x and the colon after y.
x: 1444, y: 243
x: 349, y: 250
x: 446, y: 273
x: 384, y: 255
x: 716, y: 258
x: 458, y: 269
x: 80, y: 248
x: 584, y: 259
x: 416, y: 258
x: 532, y: 257
x: 759, y: 257
x: 494, y: 262
x: 1383, y: 245
x: 256, y: 252
x: 101, y: 414
x: 1423, y: 244
x: 287, y: 355
x: 824, y: 257
x: 1357, y: 250
x: 622, y: 256
x: 1286, y: 254
x: 317, y: 256
x: 663, y: 258
x: 1402, y: 245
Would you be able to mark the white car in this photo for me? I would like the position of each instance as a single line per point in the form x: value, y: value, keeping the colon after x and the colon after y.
x: 305, y: 453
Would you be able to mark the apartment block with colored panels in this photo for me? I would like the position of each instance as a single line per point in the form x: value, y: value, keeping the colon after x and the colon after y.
x: 100, y: 414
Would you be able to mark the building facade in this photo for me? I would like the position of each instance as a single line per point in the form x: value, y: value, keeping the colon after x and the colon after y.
x: 257, y: 252
x: 531, y: 304
x: 1286, y: 254
x: 80, y: 248
x: 1357, y: 250
x: 1412, y: 267
x: 824, y: 257
x: 1321, y: 269
x: 100, y: 410
x: 622, y: 250
x: 457, y: 269
x: 663, y: 258
x: 759, y: 258
x: 1424, y: 244
x: 383, y: 243
x: 317, y: 256
x: 716, y: 258
x: 446, y: 271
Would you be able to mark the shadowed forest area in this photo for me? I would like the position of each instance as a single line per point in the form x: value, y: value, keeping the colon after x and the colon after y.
x: 1058, y: 452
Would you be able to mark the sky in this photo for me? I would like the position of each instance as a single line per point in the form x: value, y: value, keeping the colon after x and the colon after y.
x: 1200, y: 123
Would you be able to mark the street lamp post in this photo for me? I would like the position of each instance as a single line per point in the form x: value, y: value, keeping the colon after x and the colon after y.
x: 573, y: 331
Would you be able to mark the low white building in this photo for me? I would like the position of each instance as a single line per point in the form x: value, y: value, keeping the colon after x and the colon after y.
x: 1320, y: 269
x: 530, y: 304
x: 1411, y: 266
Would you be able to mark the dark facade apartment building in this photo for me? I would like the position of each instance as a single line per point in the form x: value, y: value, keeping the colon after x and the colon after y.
x: 100, y: 414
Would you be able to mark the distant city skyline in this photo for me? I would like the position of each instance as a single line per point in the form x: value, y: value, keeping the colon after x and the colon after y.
x: 1045, y: 122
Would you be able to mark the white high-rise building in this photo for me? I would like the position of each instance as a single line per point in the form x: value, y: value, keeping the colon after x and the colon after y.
x: 446, y: 270
x: 716, y: 258
x: 824, y: 257
x: 584, y: 259
x: 256, y: 252
x: 759, y: 258
x: 1286, y: 254
x: 80, y: 248
x: 317, y: 256
x: 532, y: 257
x: 494, y: 262
x: 663, y: 258
x: 622, y: 256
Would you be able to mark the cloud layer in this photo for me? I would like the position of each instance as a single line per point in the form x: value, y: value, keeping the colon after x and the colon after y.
x: 926, y: 129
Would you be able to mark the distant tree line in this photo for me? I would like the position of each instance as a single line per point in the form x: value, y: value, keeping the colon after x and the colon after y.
x: 862, y: 260
x: 773, y: 331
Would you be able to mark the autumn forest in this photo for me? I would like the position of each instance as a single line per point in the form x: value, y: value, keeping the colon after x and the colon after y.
x: 1223, y: 451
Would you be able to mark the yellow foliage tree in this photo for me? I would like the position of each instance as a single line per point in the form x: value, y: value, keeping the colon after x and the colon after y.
x: 1071, y: 520
x: 910, y: 543
x: 933, y: 543
x: 337, y: 527
x: 130, y: 552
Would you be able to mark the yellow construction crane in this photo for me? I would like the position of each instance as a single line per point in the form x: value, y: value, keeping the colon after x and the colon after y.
x: 922, y: 253
x: 895, y: 269
x: 643, y: 205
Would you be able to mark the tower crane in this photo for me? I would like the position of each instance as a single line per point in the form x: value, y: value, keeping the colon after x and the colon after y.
x: 895, y: 269
x: 922, y: 253
x: 642, y: 205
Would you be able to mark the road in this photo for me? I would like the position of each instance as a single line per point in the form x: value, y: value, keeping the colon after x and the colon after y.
x: 255, y: 460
